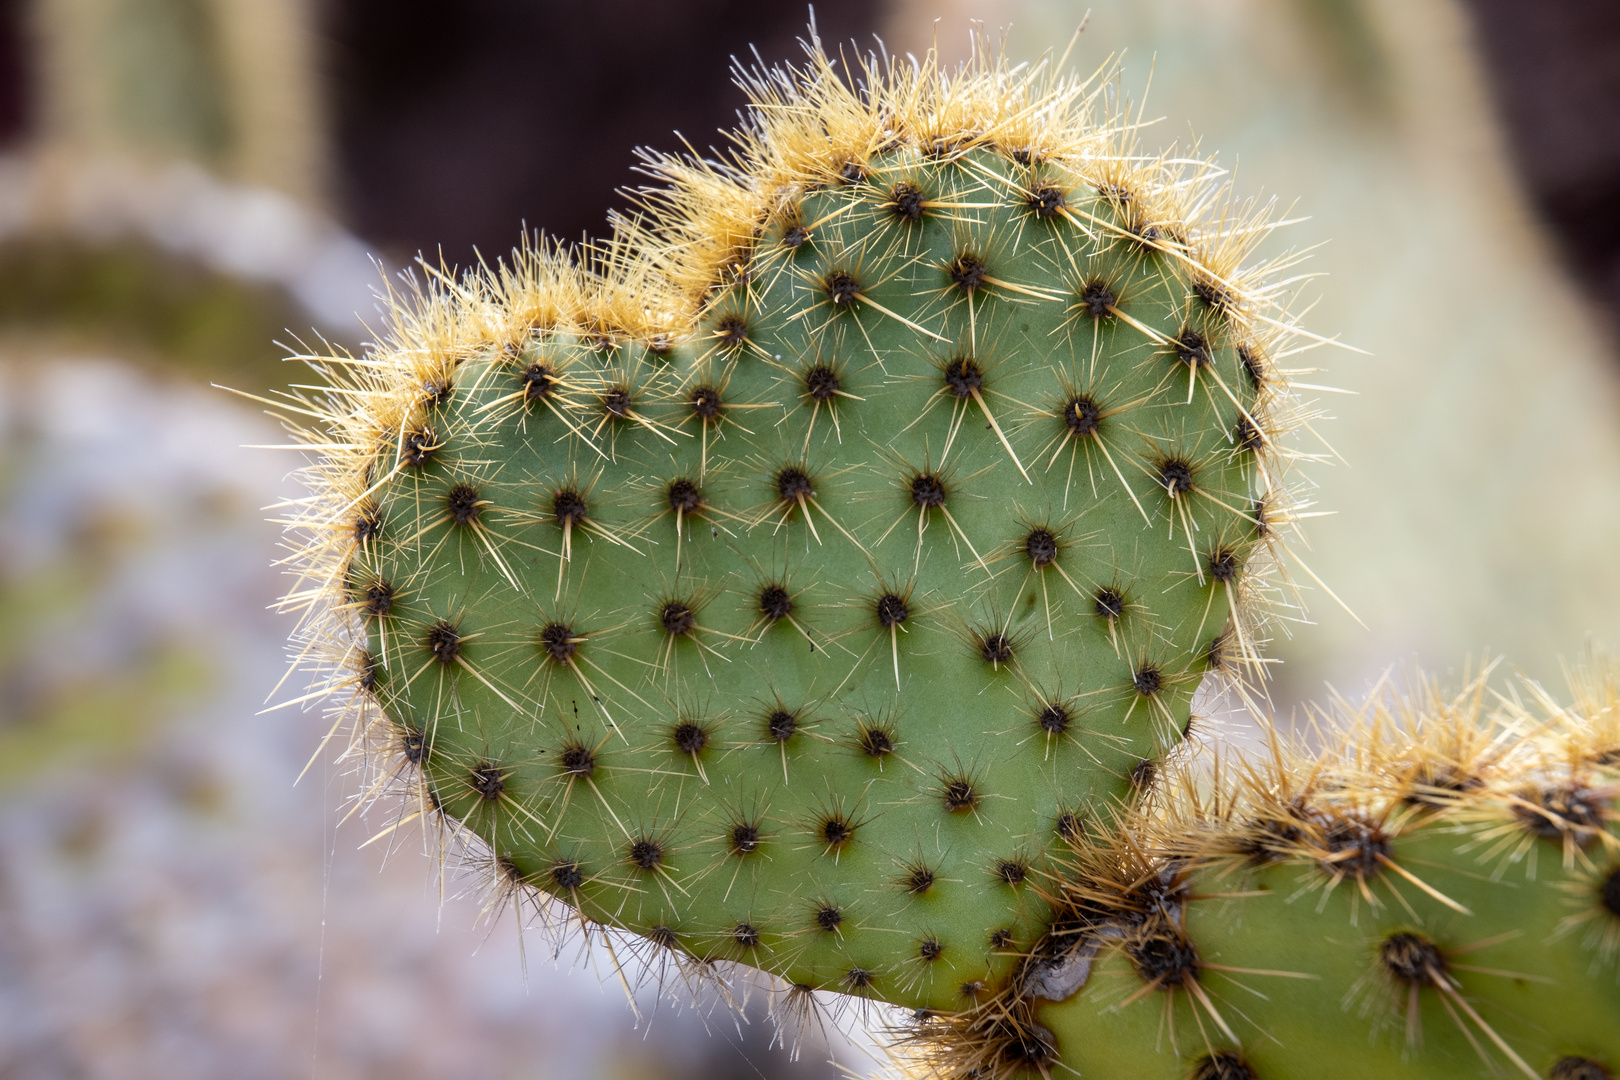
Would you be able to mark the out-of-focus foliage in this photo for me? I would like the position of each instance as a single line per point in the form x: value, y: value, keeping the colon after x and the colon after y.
x: 143, y: 304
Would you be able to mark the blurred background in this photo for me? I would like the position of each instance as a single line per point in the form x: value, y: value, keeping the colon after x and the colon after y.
x: 186, y: 183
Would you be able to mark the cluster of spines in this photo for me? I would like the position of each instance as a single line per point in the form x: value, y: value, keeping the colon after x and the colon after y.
x: 666, y: 281
x: 1431, y: 884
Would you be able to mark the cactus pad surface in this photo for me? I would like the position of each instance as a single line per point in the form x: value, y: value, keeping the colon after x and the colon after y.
x: 795, y: 577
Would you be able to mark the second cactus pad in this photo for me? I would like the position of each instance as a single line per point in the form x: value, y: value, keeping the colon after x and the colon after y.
x: 802, y: 625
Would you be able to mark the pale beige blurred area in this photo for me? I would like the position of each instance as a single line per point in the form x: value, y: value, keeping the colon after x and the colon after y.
x: 232, y: 84
x: 1477, y: 505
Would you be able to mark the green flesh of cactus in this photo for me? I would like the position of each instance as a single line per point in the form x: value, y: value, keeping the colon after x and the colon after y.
x: 1441, y: 961
x: 947, y: 569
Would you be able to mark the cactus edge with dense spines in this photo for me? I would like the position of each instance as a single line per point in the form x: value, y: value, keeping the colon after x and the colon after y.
x: 1425, y: 886
x: 931, y: 503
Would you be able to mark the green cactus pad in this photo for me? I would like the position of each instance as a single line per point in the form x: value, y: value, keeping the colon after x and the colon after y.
x: 792, y: 588
x: 1439, y: 901
x: 1402, y: 985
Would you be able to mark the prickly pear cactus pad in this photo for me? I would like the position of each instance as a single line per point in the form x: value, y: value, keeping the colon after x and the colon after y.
x: 792, y: 578
x: 1433, y: 895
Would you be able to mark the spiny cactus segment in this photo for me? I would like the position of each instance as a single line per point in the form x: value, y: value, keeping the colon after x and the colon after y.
x: 797, y: 582
x: 1435, y: 895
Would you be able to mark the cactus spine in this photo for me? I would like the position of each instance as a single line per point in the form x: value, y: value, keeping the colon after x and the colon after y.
x: 1435, y: 894
x: 813, y: 577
